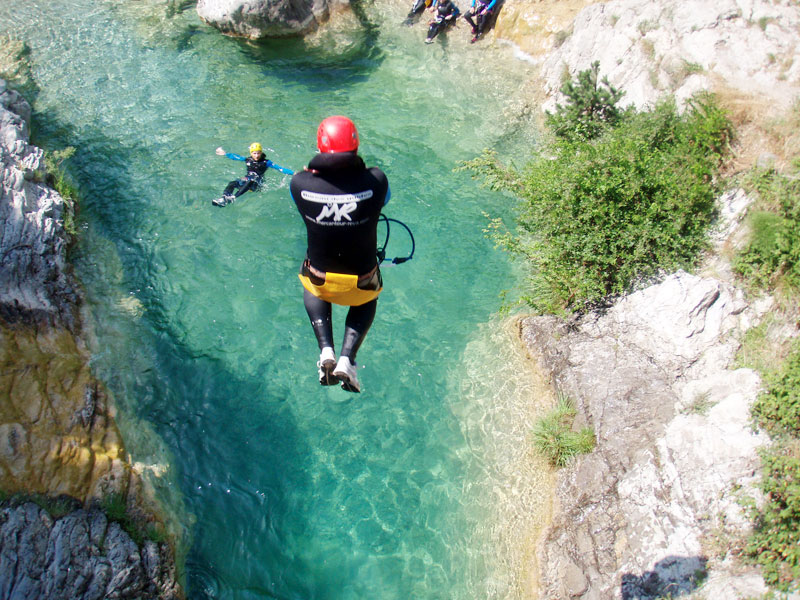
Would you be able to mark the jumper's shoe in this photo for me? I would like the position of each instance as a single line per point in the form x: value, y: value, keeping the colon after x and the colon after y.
x: 474, y: 30
x: 428, y: 40
x: 326, y: 363
x: 475, y: 39
x: 346, y: 372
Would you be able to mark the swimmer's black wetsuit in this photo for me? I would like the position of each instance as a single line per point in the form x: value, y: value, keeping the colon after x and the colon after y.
x: 251, y: 181
x: 340, y: 200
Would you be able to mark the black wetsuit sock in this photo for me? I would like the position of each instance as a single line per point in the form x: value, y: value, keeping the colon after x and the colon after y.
x: 359, y: 320
x: 319, y: 313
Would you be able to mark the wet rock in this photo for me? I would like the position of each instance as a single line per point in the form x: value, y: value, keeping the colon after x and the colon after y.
x: 674, y: 444
x: 81, y: 556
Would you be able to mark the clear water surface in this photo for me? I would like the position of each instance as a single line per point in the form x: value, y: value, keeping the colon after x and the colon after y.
x: 284, y: 489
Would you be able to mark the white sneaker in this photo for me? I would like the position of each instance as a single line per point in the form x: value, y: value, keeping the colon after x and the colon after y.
x: 326, y: 363
x: 346, y: 372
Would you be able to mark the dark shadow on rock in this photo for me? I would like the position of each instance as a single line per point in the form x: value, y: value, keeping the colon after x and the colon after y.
x: 672, y: 577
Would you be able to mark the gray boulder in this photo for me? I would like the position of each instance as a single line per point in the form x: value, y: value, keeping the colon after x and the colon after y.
x: 34, y: 281
x: 264, y: 18
x: 81, y: 556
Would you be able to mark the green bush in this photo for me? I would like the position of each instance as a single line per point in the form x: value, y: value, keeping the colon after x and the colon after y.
x: 778, y: 409
x: 57, y: 179
x: 772, y: 257
x: 553, y: 436
x: 615, y: 197
x: 775, y: 543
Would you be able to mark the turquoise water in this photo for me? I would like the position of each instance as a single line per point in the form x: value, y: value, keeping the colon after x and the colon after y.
x: 284, y: 489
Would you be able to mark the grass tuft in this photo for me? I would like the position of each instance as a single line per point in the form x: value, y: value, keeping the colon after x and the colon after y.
x: 554, y: 438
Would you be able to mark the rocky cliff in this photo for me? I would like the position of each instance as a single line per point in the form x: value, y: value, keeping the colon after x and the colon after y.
x: 57, y: 433
x: 653, y: 512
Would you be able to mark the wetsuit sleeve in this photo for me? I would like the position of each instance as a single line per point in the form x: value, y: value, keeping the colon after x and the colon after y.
x: 491, y: 4
x: 233, y: 156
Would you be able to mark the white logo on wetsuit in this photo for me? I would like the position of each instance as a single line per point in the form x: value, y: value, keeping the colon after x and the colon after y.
x: 338, y: 206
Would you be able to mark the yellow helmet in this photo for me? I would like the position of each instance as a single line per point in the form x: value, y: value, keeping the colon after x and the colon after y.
x: 255, y: 147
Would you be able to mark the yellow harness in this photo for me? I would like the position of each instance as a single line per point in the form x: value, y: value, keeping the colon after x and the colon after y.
x: 341, y: 289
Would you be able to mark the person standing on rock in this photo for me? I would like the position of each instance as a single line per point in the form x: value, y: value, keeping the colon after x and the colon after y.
x: 257, y: 164
x: 340, y: 201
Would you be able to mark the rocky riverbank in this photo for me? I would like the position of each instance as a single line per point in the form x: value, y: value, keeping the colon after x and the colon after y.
x: 654, y: 510
x: 651, y: 513
x: 59, y: 444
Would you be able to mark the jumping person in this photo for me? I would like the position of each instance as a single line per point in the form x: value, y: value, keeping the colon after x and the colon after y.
x: 340, y: 200
x: 257, y: 164
x: 482, y: 9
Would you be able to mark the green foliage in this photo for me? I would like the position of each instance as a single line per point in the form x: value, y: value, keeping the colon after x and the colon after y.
x: 601, y: 215
x: 57, y: 179
x: 778, y: 409
x: 772, y: 257
x: 775, y: 544
x: 553, y: 436
x: 615, y: 197
x: 590, y: 109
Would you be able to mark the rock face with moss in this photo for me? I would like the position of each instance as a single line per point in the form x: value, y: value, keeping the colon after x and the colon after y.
x: 58, y: 437
x: 256, y: 19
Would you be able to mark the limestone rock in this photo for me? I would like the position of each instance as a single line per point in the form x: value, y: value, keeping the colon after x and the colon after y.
x: 650, y: 48
x: 265, y: 18
x: 81, y: 556
x: 650, y: 376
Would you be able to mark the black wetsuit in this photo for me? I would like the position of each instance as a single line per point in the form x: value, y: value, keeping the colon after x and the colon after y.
x: 482, y: 9
x: 446, y: 14
x: 253, y: 179
x: 340, y: 200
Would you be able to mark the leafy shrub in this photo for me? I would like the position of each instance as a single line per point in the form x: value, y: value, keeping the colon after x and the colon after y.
x: 775, y: 543
x: 553, y: 436
x: 57, y: 179
x: 615, y: 197
x: 115, y: 506
x: 778, y: 409
x: 772, y: 256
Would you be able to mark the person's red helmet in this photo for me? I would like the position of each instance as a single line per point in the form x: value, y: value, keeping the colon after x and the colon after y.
x: 337, y: 134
